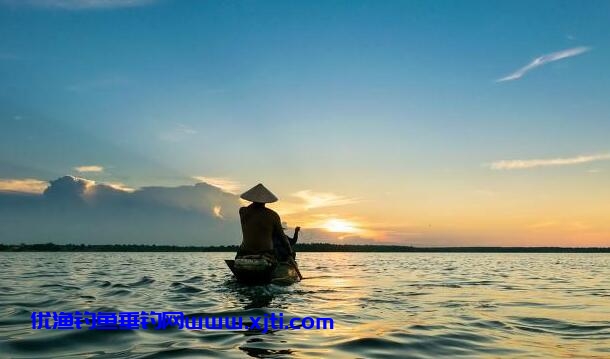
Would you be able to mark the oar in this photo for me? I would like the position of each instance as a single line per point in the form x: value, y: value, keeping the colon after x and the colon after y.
x: 295, y: 237
x: 298, y: 272
x: 296, y: 268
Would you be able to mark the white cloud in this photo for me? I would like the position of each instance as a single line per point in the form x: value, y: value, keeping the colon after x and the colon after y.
x: 323, y: 199
x: 545, y: 59
x: 119, y: 186
x: 25, y: 185
x: 522, y: 164
x: 85, y: 169
x: 70, y: 207
x: 178, y: 133
x: 79, y: 4
x: 225, y: 184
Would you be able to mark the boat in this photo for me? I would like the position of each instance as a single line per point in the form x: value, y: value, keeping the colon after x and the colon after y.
x: 257, y: 270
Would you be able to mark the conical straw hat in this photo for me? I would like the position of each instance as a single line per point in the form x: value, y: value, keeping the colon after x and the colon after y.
x: 259, y: 194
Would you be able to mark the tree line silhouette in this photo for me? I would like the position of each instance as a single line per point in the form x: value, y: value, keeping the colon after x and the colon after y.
x: 299, y: 247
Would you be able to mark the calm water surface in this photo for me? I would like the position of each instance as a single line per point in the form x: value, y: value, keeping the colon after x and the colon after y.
x: 408, y: 305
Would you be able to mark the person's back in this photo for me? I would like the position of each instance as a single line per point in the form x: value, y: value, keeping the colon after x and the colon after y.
x: 262, y: 228
x: 259, y: 225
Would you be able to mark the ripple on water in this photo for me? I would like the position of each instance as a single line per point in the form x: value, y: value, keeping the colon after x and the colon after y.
x: 100, y: 283
x: 383, y: 305
x: 599, y: 330
x: 119, y: 292
x: 195, y: 279
x: 70, y: 341
x: 146, y: 280
x: 182, y: 353
x: 178, y: 287
x: 58, y: 286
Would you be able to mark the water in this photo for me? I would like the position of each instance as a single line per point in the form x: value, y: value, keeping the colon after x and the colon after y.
x: 408, y: 305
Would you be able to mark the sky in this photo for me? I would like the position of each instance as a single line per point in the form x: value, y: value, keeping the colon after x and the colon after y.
x: 405, y: 122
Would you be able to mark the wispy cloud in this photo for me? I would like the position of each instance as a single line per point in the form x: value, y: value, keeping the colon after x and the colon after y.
x: 545, y: 59
x: 285, y: 208
x: 79, y: 4
x: 86, y: 169
x: 323, y: 199
x: 225, y: 184
x: 23, y: 185
x: 574, y: 225
x: 120, y: 186
x: 178, y: 133
x: 523, y: 164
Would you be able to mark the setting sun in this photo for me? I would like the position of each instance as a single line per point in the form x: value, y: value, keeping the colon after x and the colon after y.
x: 340, y: 226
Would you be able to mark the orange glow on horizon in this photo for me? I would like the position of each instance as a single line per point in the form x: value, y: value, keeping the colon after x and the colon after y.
x: 340, y: 226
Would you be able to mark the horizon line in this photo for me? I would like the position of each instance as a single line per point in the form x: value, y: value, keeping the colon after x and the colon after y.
x: 302, y: 247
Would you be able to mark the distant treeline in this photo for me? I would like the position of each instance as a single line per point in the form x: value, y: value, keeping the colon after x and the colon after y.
x: 300, y: 247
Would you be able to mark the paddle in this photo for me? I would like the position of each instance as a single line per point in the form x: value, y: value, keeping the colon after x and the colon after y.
x: 295, y: 237
x: 296, y: 268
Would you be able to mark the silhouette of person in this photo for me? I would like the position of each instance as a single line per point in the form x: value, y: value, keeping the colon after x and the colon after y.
x: 262, y: 228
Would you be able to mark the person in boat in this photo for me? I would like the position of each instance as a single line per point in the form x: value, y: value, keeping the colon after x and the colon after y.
x: 262, y: 228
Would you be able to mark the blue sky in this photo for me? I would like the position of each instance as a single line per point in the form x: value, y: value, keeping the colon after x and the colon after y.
x: 356, y: 98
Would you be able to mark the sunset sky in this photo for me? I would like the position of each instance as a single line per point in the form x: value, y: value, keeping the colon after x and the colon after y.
x: 406, y: 122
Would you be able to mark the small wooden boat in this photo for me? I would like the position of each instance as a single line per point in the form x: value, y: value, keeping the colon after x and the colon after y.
x: 284, y: 273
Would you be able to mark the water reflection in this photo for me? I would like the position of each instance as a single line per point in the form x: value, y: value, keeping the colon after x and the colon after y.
x: 256, y: 352
x: 383, y: 305
x: 259, y: 296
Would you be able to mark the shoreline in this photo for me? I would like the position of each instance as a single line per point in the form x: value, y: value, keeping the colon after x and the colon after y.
x: 300, y: 247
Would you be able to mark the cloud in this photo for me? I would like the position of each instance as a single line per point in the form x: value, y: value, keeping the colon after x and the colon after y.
x: 70, y: 188
x: 570, y: 225
x: 25, y: 185
x: 178, y: 133
x: 323, y: 199
x: 225, y: 184
x: 284, y: 207
x: 545, y: 59
x: 523, y: 164
x: 78, y: 210
x: 91, y: 168
x: 79, y: 4
x: 119, y: 186
x: 342, y: 227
